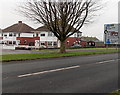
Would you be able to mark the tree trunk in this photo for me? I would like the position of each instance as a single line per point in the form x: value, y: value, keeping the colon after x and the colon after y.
x: 62, y: 47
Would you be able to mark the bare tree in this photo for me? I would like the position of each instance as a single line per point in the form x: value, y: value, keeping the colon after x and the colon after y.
x: 62, y: 18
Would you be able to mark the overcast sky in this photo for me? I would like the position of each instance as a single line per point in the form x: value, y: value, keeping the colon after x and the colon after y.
x: 108, y: 15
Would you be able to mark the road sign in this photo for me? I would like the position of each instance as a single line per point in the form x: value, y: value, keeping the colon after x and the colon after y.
x: 111, y: 33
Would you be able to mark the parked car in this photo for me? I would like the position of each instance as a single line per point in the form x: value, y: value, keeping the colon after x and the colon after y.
x: 76, y: 46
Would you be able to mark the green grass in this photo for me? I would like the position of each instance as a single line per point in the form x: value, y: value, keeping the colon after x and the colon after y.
x: 117, y: 92
x: 13, y: 57
x: 72, y: 49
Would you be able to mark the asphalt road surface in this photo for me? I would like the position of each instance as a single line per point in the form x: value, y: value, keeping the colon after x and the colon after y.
x: 80, y: 74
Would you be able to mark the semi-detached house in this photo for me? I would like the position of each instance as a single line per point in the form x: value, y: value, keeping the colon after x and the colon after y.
x: 49, y: 40
x: 18, y: 35
x: 22, y: 35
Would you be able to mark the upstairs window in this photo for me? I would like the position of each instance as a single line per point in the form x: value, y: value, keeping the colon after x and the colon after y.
x: 14, y: 34
x: 74, y: 35
x: 36, y: 34
x: 10, y: 34
x: 5, y: 35
x: 18, y: 34
x: 78, y: 34
x: 50, y: 34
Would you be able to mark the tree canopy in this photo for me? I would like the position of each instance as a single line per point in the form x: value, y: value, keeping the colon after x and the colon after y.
x: 63, y: 18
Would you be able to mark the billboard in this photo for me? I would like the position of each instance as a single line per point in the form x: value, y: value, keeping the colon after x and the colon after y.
x: 111, y: 33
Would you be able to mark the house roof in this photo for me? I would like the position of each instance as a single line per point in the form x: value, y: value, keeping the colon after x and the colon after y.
x: 19, y: 27
x: 89, y: 38
x: 44, y: 28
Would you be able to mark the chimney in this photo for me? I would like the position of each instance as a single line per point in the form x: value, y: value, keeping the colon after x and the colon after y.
x: 19, y: 22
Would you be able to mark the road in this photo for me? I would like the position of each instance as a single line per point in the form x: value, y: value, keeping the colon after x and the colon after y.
x: 80, y: 74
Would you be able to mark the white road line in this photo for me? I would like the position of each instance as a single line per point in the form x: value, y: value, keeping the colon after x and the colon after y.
x: 117, y: 59
x: 60, y: 69
x: 49, y: 71
x: 107, y: 61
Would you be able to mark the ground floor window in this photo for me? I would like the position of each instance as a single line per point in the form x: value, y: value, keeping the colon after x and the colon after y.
x: 10, y: 42
x: 25, y: 41
x: 42, y: 43
x: 49, y: 43
x: 55, y: 43
x: 31, y: 43
x: 14, y: 42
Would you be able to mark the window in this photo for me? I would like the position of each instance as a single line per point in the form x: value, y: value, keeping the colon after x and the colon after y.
x: 49, y: 43
x: 25, y: 42
x: 18, y: 42
x: 2, y: 42
x: 42, y: 35
x: 19, y: 35
x: 36, y: 34
x: 67, y: 42
x: 14, y: 34
x: 89, y: 44
x: 74, y: 35
x: 55, y: 43
x: 10, y: 34
x: 50, y: 34
x: 78, y: 34
x: 10, y: 42
x: 42, y: 43
x: 14, y: 42
x: 5, y: 35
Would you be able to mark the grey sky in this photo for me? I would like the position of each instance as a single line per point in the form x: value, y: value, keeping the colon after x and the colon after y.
x: 108, y: 15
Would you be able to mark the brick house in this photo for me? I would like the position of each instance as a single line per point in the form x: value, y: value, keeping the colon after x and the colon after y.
x: 89, y: 41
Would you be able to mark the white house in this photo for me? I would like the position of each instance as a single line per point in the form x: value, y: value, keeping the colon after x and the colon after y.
x: 17, y: 35
x: 49, y: 40
x: 22, y: 35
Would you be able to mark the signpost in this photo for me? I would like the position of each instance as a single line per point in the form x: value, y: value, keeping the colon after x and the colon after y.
x: 111, y: 34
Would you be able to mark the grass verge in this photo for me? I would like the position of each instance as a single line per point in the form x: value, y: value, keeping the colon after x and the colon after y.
x: 17, y: 57
x: 72, y: 49
x: 117, y: 92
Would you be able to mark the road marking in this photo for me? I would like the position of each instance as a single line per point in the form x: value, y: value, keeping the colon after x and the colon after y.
x: 49, y: 71
x: 106, y: 61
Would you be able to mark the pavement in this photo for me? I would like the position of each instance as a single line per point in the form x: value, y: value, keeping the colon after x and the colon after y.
x: 79, y: 74
x: 3, y: 52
